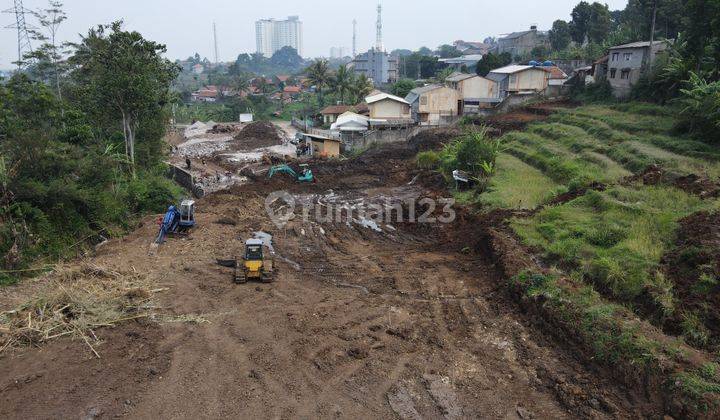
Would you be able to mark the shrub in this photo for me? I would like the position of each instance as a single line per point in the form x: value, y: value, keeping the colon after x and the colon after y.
x: 474, y: 153
x: 594, y: 92
x: 701, y: 107
x: 427, y: 160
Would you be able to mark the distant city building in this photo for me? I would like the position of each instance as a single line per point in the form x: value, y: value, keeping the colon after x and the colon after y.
x: 337, y: 52
x: 522, y: 43
x: 271, y: 35
x: 377, y: 65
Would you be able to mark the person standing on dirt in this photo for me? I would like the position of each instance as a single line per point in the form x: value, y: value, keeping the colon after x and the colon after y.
x: 187, y: 162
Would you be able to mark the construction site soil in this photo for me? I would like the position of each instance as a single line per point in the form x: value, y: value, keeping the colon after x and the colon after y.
x: 405, y: 321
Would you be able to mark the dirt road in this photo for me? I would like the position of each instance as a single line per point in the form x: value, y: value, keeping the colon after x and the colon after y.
x: 405, y: 323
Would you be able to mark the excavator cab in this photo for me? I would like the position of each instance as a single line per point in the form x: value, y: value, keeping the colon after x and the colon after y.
x: 187, y: 214
x: 306, y: 174
x: 255, y: 266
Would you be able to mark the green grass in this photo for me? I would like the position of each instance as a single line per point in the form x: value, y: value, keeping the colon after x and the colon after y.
x: 614, y: 239
x: 518, y: 185
x: 601, y: 325
x: 611, y: 243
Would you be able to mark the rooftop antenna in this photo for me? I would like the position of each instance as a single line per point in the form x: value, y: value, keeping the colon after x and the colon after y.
x: 24, y: 46
x: 378, y: 40
x: 215, y: 41
x: 354, y: 38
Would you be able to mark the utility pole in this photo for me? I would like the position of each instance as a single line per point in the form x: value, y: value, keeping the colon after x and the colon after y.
x: 215, y: 42
x: 354, y: 38
x: 648, y: 64
x: 24, y: 46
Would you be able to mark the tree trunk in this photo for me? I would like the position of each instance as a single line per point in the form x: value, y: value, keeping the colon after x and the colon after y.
x: 125, y: 133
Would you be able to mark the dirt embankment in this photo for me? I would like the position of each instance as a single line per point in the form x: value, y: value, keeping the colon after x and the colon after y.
x: 693, y: 265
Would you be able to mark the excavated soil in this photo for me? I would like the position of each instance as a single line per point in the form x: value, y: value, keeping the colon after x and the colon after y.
x: 407, y: 322
x: 255, y: 136
x: 696, y: 254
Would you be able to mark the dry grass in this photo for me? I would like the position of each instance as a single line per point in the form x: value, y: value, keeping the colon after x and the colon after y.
x: 73, y: 302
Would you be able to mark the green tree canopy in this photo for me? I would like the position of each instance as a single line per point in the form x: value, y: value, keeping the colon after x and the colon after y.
x: 492, y: 61
x: 124, y: 79
x: 402, y: 87
x: 560, y: 35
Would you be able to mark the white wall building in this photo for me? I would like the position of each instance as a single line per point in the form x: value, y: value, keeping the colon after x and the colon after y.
x: 271, y: 35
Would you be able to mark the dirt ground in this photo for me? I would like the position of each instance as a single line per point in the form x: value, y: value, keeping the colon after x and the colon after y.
x: 406, y: 322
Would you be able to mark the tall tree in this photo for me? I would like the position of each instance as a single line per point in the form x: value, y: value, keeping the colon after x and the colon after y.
x: 491, y: 62
x: 361, y: 87
x: 560, y: 35
x: 341, y: 82
x: 448, y: 51
x: 320, y: 76
x: 50, y: 52
x: 600, y: 23
x: 121, y: 72
x: 590, y: 22
x: 580, y: 22
x: 286, y: 57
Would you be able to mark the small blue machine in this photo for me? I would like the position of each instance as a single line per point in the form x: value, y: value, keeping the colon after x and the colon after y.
x: 177, y: 220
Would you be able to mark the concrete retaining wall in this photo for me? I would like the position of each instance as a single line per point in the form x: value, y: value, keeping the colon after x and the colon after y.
x: 354, y: 141
x: 185, y: 180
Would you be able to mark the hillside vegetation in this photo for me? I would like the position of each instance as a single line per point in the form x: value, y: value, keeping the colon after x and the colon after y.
x: 627, y: 209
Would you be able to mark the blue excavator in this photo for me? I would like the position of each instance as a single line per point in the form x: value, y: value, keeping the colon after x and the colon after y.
x: 305, y: 175
x: 177, y: 220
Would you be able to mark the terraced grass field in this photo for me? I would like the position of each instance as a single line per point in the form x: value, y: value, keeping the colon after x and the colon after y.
x: 617, y: 194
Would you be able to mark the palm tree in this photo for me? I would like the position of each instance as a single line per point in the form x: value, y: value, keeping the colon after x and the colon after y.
x: 361, y: 87
x: 342, y: 82
x: 319, y: 75
x: 240, y: 84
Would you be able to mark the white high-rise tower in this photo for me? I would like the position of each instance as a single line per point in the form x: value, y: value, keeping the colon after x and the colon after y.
x: 271, y: 35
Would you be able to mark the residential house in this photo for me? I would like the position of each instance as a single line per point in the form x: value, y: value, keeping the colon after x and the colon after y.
x: 475, y: 92
x: 377, y: 65
x: 350, y: 122
x: 384, y: 106
x: 556, y: 81
x: 332, y: 112
x: 627, y: 62
x: 463, y: 63
x: 472, y: 47
x: 291, y: 92
x: 520, y: 79
x: 433, y: 104
x: 522, y: 43
x: 206, y: 94
x: 280, y: 80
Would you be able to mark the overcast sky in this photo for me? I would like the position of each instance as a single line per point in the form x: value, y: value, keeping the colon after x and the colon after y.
x: 185, y: 26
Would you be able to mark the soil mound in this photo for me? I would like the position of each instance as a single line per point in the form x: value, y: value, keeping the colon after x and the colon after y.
x: 257, y: 135
x: 433, y: 139
x: 703, y: 187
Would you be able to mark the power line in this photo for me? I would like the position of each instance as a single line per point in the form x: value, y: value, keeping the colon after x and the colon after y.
x: 24, y: 46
